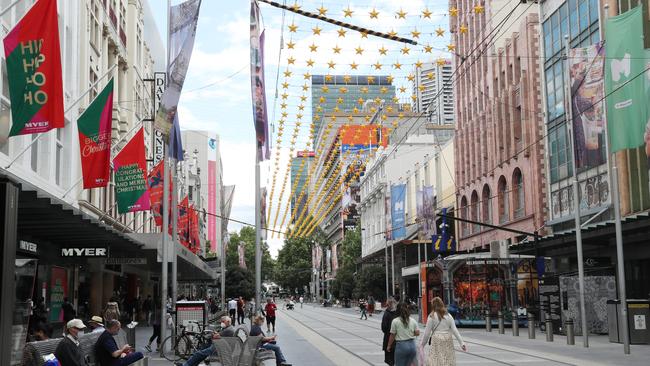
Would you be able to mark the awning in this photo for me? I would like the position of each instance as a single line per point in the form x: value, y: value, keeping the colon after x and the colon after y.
x: 45, y: 218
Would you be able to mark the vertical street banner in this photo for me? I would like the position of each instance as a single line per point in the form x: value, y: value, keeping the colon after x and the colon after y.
x: 626, y: 111
x: 586, y: 70
x: 155, y: 183
x: 194, y: 235
x: 130, y: 166
x: 335, y: 260
x: 443, y: 242
x: 212, y: 194
x: 184, y: 222
x: 398, y: 210
x: 428, y: 211
x: 182, y: 32
x: 242, y: 256
x: 34, y: 71
x: 257, y: 84
x: 419, y: 210
x: 95, y: 127
x: 387, y: 214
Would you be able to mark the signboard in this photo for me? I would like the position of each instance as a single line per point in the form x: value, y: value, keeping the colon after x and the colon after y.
x: 114, y: 261
x: 58, y: 291
x: 84, y: 252
x: 28, y: 247
x: 549, y: 300
x: 158, y: 142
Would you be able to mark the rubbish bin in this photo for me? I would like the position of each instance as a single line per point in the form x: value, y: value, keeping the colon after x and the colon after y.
x: 638, y: 316
x: 612, y: 321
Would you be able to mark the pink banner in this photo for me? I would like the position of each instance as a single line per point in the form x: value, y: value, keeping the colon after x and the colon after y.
x: 212, y: 205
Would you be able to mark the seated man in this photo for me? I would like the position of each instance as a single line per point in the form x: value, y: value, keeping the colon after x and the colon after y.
x: 227, y: 330
x: 268, y: 342
x: 107, y: 352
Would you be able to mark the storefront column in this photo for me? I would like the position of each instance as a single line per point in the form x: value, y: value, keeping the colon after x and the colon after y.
x: 8, y: 227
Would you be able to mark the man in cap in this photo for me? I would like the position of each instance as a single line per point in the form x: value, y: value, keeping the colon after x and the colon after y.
x: 68, y: 352
x: 96, y: 324
x: 106, y: 351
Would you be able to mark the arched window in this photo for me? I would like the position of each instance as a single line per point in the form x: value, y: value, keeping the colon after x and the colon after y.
x: 486, y: 203
x: 518, y: 194
x: 504, y: 215
x: 463, y: 214
x: 474, y: 212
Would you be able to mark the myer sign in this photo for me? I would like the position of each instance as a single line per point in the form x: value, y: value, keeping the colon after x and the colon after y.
x: 158, y: 141
x: 84, y: 252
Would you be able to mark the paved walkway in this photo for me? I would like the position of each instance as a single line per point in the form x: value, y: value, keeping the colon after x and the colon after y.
x: 333, y: 336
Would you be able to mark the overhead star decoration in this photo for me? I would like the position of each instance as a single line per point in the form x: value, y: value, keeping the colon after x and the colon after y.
x: 328, y: 77
x: 441, y: 62
x: 310, y: 63
x: 291, y: 45
x: 336, y: 49
x: 331, y: 64
x: 347, y: 13
x: 428, y: 49
x: 392, y: 33
x: 307, y: 76
x: 287, y: 73
x: 313, y: 47
x: 359, y: 50
x: 397, y: 65
x: 316, y: 30
x: 426, y: 13
x: 402, y: 89
x: 374, y: 14
x: 377, y: 66
x: 285, y: 85
x: 347, y: 78
x: 410, y: 77
x: 405, y: 50
x: 453, y: 12
x: 401, y: 14
x: 371, y: 79
x: 295, y: 6
x: 341, y: 32
x: 415, y: 33
x: 418, y: 64
x: 293, y: 28
x: 291, y: 60
x: 451, y: 47
x: 363, y: 34
x: 430, y: 76
x: 322, y: 11
x: 478, y: 9
x: 463, y: 29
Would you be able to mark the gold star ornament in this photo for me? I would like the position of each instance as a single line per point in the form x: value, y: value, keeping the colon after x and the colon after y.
x: 374, y: 14
x: 293, y: 28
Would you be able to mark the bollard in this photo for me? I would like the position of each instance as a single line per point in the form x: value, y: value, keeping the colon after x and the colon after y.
x: 570, y: 333
x: 488, y: 321
x: 500, y: 320
x: 549, y: 329
x: 515, y: 324
x: 531, y: 326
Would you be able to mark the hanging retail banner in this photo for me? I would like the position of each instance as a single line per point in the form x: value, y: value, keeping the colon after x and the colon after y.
x: 443, y: 242
x: 428, y: 223
x: 263, y: 227
x: 33, y: 71
x: 156, y: 191
x: 398, y: 211
x: 212, y: 194
x: 183, y: 19
x: 626, y: 103
x: 586, y: 69
x: 258, y: 85
x: 95, y: 127
x: 195, y: 239
x: 130, y: 166
x: 183, y: 222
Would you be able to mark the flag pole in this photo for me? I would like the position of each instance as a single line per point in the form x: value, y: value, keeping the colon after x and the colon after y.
x: 165, y: 212
x: 258, y: 238
x: 64, y: 112
x: 576, y: 194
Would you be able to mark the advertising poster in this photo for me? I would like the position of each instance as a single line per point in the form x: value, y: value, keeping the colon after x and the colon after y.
x: 58, y: 291
x: 398, y: 210
x: 212, y: 194
x: 130, y: 165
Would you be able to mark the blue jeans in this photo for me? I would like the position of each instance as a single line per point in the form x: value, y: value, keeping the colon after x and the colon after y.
x: 201, y: 355
x: 279, y: 357
x: 128, y: 359
x: 405, y: 353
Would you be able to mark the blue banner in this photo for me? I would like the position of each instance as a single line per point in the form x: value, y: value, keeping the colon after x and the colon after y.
x: 398, y: 210
x: 443, y: 242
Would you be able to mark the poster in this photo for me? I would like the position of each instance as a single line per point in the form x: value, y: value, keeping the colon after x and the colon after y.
x: 212, y: 194
x: 398, y: 211
x: 58, y: 291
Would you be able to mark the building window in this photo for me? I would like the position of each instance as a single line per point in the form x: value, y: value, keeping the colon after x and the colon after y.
x: 463, y: 214
x: 92, y: 80
x: 486, y: 203
x: 518, y: 193
x: 475, y: 212
x: 559, y: 153
x: 95, y: 27
x: 503, y: 200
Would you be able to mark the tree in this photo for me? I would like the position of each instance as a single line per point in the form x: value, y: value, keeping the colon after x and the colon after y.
x: 246, y: 237
x: 294, y: 264
x: 351, y: 247
x: 239, y: 282
x: 370, y: 280
x: 343, y: 284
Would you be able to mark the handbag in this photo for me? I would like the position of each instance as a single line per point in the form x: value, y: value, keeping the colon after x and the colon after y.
x: 434, y: 330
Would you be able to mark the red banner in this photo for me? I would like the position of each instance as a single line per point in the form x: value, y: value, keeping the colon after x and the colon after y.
x: 34, y: 71
x: 95, y: 127
x: 156, y: 190
x: 130, y: 167
x: 195, y: 239
x: 183, y: 223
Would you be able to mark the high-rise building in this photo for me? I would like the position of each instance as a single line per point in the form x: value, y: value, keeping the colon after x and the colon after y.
x: 300, y: 166
x: 434, y: 92
x: 500, y: 173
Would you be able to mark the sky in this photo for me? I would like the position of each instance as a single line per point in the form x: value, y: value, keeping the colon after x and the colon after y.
x: 216, y: 95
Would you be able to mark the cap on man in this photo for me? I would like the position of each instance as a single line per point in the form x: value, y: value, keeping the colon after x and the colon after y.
x: 68, y: 352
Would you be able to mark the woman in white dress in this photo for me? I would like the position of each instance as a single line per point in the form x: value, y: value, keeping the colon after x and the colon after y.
x: 440, y: 328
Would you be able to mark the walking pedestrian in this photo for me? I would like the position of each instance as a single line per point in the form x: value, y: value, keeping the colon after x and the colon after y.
x: 371, y: 305
x: 403, y: 331
x: 440, y: 327
x: 386, y: 320
x: 232, y: 308
x: 269, y: 312
x: 156, y: 333
x: 362, y: 308
x: 240, y: 311
x: 68, y: 351
x: 302, y: 299
x: 147, y: 307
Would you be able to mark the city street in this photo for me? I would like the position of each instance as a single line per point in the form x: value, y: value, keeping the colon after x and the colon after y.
x: 316, y: 336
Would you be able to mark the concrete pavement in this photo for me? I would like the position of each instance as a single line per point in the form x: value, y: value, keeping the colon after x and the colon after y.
x: 334, y: 336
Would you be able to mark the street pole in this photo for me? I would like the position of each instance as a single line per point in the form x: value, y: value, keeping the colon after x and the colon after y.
x: 258, y: 232
x: 576, y: 193
x: 386, y: 264
x: 419, y: 281
x: 392, y: 264
x: 175, y: 243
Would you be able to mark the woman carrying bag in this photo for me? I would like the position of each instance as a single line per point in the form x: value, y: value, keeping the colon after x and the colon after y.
x: 440, y: 327
x: 403, y: 330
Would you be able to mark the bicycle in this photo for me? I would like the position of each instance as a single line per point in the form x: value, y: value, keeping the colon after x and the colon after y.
x: 184, y: 344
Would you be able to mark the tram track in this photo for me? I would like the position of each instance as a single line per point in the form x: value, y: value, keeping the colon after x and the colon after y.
x: 365, y: 324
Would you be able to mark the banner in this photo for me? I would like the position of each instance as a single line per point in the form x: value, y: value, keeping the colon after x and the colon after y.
x: 586, y: 69
x: 398, y: 210
x: 183, y: 223
x: 34, y: 71
x: 58, y: 291
x: 242, y: 256
x: 419, y: 209
x: 95, y: 128
x: 257, y: 84
x: 194, y: 235
x: 156, y: 191
x: 182, y: 32
x: 130, y: 166
x: 626, y: 111
x: 389, y: 221
x: 428, y: 225
x: 443, y: 242
x: 212, y: 194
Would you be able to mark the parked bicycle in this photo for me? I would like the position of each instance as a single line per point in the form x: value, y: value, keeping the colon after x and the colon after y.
x: 182, y: 345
